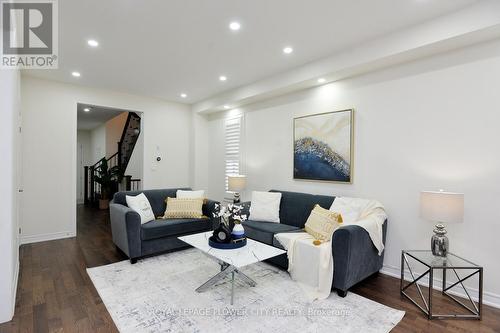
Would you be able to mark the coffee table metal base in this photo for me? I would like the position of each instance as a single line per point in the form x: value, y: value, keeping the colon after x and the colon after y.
x: 225, y: 270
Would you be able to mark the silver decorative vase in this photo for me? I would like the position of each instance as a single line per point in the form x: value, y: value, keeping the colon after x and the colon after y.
x: 439, y: 241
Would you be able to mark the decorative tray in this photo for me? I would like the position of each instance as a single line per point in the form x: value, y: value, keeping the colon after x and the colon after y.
x: 226, y: 246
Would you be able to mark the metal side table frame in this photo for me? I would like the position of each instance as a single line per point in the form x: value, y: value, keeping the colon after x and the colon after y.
x: 445, y: 264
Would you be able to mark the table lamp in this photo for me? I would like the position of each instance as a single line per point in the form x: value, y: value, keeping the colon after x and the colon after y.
x: 441, y: 207
x: 237, y: 183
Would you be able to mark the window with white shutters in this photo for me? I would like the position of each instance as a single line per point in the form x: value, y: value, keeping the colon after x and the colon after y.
x: 232, y: 133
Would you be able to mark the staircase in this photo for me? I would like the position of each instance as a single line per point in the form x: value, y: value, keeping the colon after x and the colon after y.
x: 129, y: 138
x: 121, y: 158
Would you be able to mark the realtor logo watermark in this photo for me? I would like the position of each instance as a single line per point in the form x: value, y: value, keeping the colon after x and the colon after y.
x: 29, y: 34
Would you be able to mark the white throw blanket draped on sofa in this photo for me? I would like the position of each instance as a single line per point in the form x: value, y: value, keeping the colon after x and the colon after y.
x: 309, y: 265
x: 368, y: 214
x: 312, y: 266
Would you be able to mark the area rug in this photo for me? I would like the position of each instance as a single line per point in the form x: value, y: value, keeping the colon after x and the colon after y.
x: 158, y: 295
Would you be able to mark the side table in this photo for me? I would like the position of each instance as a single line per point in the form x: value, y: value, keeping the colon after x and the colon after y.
x: 449, y: 264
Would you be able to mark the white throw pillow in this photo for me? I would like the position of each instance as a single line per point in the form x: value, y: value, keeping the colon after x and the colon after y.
x: 141, y: 205
x: 265, y: 206
x: 344, y: 206
x: 182, y: 194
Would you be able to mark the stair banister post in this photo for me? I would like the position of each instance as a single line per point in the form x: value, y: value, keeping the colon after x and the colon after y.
x: 128, y: 183
x: 120, y: 154
x: 92, y: 185
x: 86, y: 185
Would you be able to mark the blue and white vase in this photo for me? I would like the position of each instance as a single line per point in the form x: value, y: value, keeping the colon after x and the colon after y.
x: 238, y: 230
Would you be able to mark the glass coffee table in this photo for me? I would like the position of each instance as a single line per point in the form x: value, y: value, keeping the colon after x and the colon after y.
x: 449, y: 264
x: 231, y: 261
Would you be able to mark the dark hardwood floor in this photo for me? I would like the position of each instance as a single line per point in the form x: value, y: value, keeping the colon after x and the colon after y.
x: 55, y: 293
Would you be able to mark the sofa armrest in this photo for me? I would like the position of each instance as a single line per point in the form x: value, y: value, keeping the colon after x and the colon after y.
x: 126, y: 229
x: 354, y: 256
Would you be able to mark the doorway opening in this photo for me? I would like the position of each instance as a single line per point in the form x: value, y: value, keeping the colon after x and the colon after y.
x: 110, y: 153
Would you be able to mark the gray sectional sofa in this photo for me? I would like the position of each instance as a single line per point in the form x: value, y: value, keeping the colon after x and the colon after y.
x: 157, y: 236
x: 354, y: 255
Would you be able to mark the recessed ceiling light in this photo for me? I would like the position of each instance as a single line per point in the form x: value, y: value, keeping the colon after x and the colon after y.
x: 183, y: 95
x: 86, y: 109
x: 321, y: 80
x: 227, y: 107
x: 287, y: 50
x: 76, y: 74
x: 93, y: 43
x: 235, y: 26
x: 222, y: 78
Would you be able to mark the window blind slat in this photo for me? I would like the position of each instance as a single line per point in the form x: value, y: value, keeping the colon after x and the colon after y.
x: 232, y: 136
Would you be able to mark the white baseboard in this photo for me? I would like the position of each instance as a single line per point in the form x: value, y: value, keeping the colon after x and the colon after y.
x: 489, y: 298
x: 46, y: 237
x: 14, y: 286
x: 8, y: 317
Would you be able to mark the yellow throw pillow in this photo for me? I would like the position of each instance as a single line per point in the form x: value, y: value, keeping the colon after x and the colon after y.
x: 184, y: 208
x: 322, y: 223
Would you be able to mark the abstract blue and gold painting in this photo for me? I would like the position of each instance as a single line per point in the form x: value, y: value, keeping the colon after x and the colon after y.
x: 323, y: 146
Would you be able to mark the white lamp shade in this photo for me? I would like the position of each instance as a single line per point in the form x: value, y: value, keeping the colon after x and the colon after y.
x: 237, y: 183
x: 442, y: 206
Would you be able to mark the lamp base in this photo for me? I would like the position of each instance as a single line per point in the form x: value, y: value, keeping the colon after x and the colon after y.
x: 236, y: 198
x: 439, y: 242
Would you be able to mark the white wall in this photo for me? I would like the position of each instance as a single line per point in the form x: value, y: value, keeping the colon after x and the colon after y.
x: 9, y: 245
x: 114, y: 130
x: 49, y: 150
x: 97, y: 143
x: 200, y: 151
x: 430, y: 124
x: 84, y: 158
x: 136, y: 163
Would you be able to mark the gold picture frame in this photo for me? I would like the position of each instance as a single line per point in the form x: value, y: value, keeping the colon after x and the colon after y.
x: 323, y: 147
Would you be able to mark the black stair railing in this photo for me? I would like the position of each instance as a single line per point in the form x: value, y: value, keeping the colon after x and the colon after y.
x: 129, y: 138
x: 121, y: 158
x: 132, y: 184
x: 91, y: 187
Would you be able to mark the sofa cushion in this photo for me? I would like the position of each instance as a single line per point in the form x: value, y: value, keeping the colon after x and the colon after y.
x: 296, y: 207
x: 264, y: 231
x: 173, y: 227
x: 156, y: 198
x: 276, y: 243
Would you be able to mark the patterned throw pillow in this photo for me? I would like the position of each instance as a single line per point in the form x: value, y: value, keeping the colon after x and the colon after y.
x: 184, y: 208
x: 322, y: 223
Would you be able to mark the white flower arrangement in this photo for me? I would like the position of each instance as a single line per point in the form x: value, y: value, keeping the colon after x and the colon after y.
x: 231, y: 211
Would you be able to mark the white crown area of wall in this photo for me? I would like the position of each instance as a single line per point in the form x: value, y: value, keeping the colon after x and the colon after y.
x: 471, y: 25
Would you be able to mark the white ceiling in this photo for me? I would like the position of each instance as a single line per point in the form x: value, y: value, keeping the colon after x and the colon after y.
x: 96, y: 116
x: 162, y: 48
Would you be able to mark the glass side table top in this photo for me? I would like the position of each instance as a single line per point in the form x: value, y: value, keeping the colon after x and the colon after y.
x: 450, y: 261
